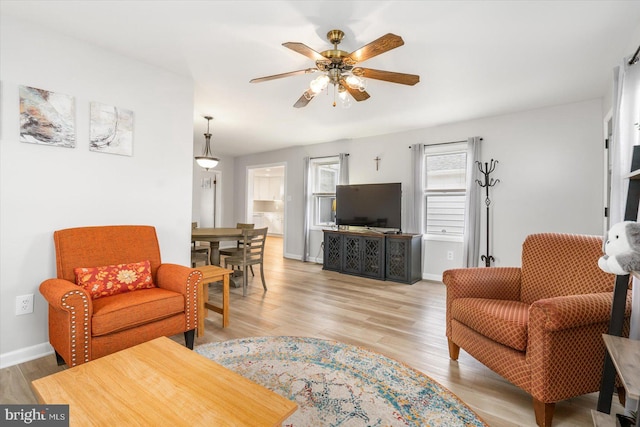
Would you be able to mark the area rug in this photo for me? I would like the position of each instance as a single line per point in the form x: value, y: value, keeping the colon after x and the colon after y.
x: 336, y: 384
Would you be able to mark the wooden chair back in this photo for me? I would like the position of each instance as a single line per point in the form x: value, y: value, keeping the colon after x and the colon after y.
x: 199, y: 250
x: 253, y: 241
x: 251, y: 253
x: 243, y: 226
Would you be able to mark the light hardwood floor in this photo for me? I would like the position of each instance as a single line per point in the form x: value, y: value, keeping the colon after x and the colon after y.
x: 405, y: 322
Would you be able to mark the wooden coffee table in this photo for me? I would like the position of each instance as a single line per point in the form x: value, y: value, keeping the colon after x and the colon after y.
x: 161, y: 383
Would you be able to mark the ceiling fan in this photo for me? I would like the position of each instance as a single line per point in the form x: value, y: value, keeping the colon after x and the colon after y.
x: 339, y: 68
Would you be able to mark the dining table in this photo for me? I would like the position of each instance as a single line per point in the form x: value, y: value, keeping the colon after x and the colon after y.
x: 215, y: 236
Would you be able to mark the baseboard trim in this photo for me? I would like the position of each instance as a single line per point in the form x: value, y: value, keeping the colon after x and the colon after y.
x: 25, y: 354
x: 432, y: 277
x: 293, y: 256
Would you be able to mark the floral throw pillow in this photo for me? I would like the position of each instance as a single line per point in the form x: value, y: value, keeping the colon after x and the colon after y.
x: 114, y: 279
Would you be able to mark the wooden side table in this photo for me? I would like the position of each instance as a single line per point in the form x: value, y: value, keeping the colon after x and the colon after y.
x: 213, y: 273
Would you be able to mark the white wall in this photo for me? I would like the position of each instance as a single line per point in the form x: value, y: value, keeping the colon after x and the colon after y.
x: 550, y: 168
x: 43, y: 189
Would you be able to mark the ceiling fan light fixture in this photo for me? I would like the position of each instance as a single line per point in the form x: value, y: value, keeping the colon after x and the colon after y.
x: 363, y: 84
x: 318, y: 84
x: 336, y: 66
x: 207, y: 161
x: 345, y: 98
x: 353, y: 81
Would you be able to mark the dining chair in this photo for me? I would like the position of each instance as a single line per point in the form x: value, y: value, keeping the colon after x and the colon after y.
x: 253, y: 241
x: 197, y: 257
x: 238, y: 249
x: 200, y: 251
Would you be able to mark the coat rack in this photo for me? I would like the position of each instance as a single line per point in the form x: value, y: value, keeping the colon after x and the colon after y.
x: 489, y: 167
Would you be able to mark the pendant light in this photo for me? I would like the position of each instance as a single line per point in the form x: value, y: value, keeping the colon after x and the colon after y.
x: 207, y: 161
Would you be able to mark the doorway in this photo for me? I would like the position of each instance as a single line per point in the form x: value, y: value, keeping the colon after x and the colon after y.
x: 266, y: 197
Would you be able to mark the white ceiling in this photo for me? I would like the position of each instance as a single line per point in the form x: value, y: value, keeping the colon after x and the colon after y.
x: 475, y: 58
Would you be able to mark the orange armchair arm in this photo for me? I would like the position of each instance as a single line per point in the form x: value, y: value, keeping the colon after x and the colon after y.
x: 70, y: 311
x: 554, y: 314
x: 55, y: 290
x: 183, y: 280
x: 565, y: 348
x: 492, y: 283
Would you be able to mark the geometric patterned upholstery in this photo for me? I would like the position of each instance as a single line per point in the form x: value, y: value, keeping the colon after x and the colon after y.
x: 539, y: 326
x: 499, y: 320
x: 562, y: 264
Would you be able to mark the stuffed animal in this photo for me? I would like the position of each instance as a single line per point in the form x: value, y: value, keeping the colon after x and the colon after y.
x: 622, y: 249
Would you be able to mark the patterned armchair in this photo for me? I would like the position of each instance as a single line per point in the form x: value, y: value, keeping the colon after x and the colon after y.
x: 539, y: 326
x: 83, y: 326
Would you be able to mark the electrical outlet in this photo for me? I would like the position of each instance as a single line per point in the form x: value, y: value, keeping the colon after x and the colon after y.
x: 450, y: 255
x: 24, y: 304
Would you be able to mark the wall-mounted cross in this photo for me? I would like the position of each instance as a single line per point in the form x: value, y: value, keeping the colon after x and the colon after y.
x: 377, y: 159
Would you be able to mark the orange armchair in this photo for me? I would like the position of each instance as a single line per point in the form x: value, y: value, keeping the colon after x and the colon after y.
x: 81, y: 328
x: 539, y: 326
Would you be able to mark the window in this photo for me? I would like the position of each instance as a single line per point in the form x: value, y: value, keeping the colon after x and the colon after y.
x: 324, y: 178
x: 445, y: 189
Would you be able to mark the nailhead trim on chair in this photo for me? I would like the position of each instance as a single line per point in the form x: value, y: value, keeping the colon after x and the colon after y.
x: 73, y: 340
x: 192, y: 298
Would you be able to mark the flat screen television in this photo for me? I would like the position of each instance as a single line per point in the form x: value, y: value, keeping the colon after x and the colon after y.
x: 369, y: 205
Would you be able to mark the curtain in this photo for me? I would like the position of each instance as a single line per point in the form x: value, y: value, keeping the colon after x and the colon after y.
x: 306, y: 223
x: 343, y: 174
x: 626, y: 134
x: 415, y: 204
x: 471, y: 244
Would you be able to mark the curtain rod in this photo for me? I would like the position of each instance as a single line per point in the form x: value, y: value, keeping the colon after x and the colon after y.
x: 445, y: 143
x: 326, y: 157
x: 634, y: 58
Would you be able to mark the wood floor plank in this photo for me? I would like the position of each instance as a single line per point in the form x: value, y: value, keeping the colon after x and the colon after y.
x: 406, y: 322
x: 15, y: 389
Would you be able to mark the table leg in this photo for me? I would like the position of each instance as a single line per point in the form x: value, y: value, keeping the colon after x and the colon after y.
x: 214, y: 256
x: 225, y: 301
x: 202, y: 309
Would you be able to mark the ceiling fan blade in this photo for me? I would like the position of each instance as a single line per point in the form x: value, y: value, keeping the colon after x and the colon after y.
x: 279, y: 76
x: 357, y: 95
x: 303, y: 49
x: 306, y: 97
x: 387, y: 76
x: 376, y: 47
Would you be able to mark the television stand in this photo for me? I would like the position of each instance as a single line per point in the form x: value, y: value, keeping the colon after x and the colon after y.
x: 395, y: 257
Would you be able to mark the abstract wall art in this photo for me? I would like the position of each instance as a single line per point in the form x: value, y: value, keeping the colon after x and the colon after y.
x: 111, y: 130
x: 47, y: 118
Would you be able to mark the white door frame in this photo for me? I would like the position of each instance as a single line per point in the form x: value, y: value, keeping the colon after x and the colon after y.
x: 249, y: 198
